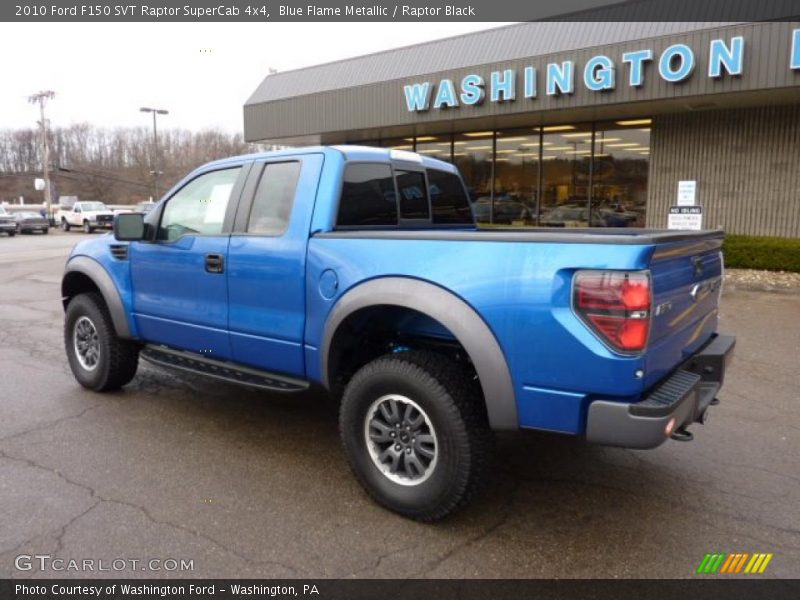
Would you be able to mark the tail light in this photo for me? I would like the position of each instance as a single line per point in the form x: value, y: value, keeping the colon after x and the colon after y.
x: 615, y: 305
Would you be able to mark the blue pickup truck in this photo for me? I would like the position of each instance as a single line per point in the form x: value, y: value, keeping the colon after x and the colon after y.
x: 361, y: 270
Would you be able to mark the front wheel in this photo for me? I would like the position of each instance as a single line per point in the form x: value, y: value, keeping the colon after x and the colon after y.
x: 415, y: 433
x: 99, y: 360
x: 64, y: 225
x: 87, y: 228
x: 46, y: 230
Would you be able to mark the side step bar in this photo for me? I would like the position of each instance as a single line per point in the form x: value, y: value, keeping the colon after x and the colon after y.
x: 224, y: 371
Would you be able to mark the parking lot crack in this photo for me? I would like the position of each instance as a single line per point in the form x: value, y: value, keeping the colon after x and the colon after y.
x: 292, y: 570
x: 504, y: 512
x: 99, y: 498
x: 50, y: 424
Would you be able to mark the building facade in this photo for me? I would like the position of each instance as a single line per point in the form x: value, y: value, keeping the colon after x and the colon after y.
x: 575, y: 124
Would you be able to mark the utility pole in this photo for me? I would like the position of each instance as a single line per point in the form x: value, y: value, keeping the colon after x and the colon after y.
x: 154, y: 159
x: 41, y: 99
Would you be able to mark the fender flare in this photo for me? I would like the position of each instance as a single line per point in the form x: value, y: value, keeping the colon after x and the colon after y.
x: 452, y: 312
x: 100, y: 277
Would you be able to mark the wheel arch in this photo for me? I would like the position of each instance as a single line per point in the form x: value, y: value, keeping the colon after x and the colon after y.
x: 83, y: 274
x: 452, y: 312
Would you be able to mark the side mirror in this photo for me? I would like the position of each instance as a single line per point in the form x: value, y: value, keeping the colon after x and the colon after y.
x: 129, y: 227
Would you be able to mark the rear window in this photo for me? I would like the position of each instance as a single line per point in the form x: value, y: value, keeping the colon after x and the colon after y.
x: 413, y: 194
x: 448, y: 199
x: 368, y: 196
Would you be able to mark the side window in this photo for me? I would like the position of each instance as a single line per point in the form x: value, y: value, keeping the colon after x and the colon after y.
x: 77, y: 209
x: 199, y: 207
x: 368, y: 196
x: 274, y: 198
x: 413, y: 195
x: 448, y: 200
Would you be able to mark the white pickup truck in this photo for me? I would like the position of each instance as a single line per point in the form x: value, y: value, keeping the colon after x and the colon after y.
x: 88, y: 215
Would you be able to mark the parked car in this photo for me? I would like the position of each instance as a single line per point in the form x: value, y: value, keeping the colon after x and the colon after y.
x: 569, y: 216
x: 286, y: 269
x: 87, y: 215
x: 7, y: 224
x: 506, y: 210
x: 29, y: 222
x: 140, y: 207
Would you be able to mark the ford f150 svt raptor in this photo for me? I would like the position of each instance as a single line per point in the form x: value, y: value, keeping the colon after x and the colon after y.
x: 361, y: 270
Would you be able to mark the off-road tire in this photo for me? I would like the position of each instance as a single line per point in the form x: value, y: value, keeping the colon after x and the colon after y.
x: 453, y: 401
x: 118, y: 359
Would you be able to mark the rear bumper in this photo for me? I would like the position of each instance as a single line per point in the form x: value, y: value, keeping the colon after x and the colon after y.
x: 677, y: 401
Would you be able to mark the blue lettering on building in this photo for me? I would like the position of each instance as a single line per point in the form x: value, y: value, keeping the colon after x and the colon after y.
x: 560, y: 78
x: 472, y: 91
x: 530, y: 82
x: 730, y: 57
x: 418, y: 96
x: 446, y: 95
x: 503, y: 85
x: 675, y: 64
x: 636, y: 61
x: 599, y: 74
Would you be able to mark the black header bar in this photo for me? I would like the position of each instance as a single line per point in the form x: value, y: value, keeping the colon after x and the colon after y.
x: 408, y: 11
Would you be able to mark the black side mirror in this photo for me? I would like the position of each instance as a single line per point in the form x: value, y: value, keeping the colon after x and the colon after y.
x: 129, y: 227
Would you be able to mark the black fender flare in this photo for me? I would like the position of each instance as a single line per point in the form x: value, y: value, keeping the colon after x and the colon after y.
x: 100, y: 277
x: 460, y: 318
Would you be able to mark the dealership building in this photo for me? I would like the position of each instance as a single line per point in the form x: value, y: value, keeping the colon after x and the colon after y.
x: 576, y: 124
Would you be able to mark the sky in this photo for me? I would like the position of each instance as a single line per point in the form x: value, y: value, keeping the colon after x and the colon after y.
x: 202, y: 73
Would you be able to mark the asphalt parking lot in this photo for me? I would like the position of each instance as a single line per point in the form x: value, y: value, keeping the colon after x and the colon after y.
x: 247, y: 484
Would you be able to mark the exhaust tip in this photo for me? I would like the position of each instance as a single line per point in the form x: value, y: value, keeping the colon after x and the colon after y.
x: 682, y: 435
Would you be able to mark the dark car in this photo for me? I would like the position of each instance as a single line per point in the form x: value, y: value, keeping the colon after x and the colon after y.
x: 7, y: 224
x: 28, y: 222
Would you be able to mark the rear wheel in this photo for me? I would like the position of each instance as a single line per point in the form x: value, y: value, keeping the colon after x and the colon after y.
x: 415, y: 433
x: 46, y: 230
x: 12, y: 233
x: 64, y: 225
x: 99, y: 360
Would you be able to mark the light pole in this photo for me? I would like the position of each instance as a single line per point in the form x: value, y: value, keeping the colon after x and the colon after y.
x: 154, y: 159
x: 41, y: 99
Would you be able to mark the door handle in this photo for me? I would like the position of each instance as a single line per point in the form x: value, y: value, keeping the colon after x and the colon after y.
x: 215, y: 263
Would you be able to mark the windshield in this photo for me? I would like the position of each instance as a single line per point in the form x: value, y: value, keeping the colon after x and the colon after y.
x: 93, y: 206
x: 3, y: 210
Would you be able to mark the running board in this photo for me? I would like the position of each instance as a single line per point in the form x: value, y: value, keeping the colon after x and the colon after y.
x: 224, y: 371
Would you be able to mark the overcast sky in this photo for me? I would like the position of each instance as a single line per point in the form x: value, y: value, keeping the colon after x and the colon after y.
x: 103, y: 72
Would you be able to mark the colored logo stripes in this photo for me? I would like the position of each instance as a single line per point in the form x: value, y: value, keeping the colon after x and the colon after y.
x: 737, y: 562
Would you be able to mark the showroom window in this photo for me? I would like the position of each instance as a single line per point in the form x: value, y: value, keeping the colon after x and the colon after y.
x: 516, y: 177
x: 472, y: 154
x: 566, y: 162
x: 619, y: 174
x: 435, y: 146
x: 567, y: 175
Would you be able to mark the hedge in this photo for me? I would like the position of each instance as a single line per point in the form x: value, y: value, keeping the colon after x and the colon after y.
x: 769, y: 253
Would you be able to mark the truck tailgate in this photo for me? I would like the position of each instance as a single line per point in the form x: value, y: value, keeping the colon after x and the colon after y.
x: 686, y: 284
